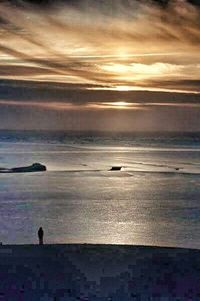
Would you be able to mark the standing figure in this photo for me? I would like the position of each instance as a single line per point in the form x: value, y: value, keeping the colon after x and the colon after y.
x: 40, y: 235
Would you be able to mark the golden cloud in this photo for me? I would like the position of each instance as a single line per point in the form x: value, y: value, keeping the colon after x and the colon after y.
x: 141, y: 46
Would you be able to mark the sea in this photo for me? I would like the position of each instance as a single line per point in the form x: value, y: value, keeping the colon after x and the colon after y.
x: 153, y: 200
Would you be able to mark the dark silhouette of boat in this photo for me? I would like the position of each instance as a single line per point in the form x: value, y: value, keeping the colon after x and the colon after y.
x: 115, y: 168
x: 35, y: 167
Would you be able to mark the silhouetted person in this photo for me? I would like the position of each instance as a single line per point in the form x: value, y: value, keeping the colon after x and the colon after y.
x: 40, y: 235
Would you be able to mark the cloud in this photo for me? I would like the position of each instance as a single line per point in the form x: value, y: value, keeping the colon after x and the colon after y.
x: 79, y: 94
x: 80, y: 41
x: 68, y: 61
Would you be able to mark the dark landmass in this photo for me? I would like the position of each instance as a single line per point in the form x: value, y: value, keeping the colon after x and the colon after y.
x: 98, y: 272
x: 32, y: 168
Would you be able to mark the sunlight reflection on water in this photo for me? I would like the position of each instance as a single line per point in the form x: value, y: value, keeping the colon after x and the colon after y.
x: 148, y: 203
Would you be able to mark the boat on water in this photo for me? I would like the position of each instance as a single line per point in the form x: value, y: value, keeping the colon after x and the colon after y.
x: 115, y: 168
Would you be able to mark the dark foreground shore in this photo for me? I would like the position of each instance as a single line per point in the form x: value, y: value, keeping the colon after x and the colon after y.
x: 98, y: 272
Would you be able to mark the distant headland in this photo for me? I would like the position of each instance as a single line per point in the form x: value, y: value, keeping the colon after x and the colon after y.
x: 32, y: 168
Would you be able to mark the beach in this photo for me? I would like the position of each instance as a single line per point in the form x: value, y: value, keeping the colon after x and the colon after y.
x: 98, y: 272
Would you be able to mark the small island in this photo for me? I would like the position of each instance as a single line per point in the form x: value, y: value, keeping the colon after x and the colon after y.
x: 35, y: 167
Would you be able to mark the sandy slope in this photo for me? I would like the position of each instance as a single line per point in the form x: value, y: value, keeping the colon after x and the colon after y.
x: 98, y: 272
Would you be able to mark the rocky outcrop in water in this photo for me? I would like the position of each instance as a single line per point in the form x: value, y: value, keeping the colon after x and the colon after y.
x: 35, y: 167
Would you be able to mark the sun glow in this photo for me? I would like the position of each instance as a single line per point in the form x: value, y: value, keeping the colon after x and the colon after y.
x: 118, y: 105
x: 123, y: 88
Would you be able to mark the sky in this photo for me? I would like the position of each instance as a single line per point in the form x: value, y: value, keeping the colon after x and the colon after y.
x: 122, y: 65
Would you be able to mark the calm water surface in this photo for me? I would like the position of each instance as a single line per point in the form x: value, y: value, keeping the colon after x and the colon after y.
x: 78, y: 199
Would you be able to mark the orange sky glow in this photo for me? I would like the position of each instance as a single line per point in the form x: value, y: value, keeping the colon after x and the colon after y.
x: 140, y: 48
